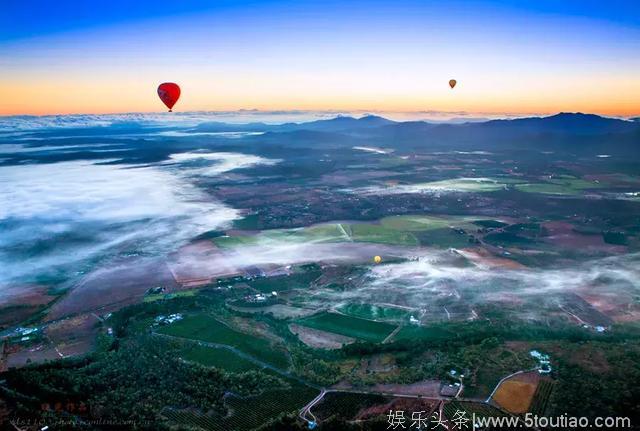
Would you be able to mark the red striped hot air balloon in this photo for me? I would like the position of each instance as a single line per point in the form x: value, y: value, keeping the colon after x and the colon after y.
x: 169, y: 93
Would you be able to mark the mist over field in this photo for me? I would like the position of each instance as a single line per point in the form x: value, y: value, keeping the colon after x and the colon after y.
x: 61, y: 215
x: 83, y: 191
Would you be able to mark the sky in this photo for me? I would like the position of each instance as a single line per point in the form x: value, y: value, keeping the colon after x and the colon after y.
x: 509, y: 57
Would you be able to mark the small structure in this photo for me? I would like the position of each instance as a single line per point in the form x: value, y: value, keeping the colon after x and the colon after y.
x: 166, y: 320
x: 155, y: 290
x: 21, y: 331
x: 449, y: 390
x: 544, y: 363
x: 252, y: 272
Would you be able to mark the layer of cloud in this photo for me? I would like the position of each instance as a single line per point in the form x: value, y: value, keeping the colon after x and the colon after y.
x: 59, y: 219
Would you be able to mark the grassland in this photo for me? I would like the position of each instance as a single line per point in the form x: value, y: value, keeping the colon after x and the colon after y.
x: 349, y: 326
x: 206, y: 328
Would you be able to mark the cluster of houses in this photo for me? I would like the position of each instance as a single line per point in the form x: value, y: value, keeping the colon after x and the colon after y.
x: 166, y: 320
x: 596, y: 328
x: 260, y: 297
x: 21, y: 334
x: 544, y: 364
x: 452, y: 389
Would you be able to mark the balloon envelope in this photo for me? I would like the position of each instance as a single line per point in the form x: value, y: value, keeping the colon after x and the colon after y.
x: 169, y: 93
x: 452, y: 83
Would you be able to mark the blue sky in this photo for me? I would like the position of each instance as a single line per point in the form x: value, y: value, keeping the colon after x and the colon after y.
x: 20, y: 19
x: 508, y: 56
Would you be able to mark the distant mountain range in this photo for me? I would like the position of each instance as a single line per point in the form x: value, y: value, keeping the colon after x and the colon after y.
x: 573, y: 132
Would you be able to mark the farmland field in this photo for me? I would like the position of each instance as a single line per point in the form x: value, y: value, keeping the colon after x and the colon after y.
x: 298, y: 280
x: 381, y: 234
x: 374, y: 312
x: 349, y: 326
x: 217, y: 357
x: 541, y: 397
x: 443, y: 238
x: 206, y: 328
x: 415, y: 222
x: 250, y: 412
x: 345, y: 405
x: 515, y: 396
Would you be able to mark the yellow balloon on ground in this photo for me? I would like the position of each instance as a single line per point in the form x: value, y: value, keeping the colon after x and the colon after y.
x: 452, y: 83
x: 377, y: 259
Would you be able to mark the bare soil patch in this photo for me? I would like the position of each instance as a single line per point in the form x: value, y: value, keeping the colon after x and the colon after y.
x: 118, y: 285
x: 320, y: 339
x: 515, y: 394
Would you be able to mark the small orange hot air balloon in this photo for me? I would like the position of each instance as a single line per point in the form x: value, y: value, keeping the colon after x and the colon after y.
x: 169, y: 93
x: 452, y: 83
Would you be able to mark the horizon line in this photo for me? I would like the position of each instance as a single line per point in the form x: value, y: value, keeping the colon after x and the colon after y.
x: 337, y: 112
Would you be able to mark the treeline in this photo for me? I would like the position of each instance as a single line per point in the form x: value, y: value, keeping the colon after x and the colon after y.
x: 131, y: 383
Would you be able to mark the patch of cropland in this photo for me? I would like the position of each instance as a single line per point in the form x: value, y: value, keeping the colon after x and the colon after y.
x: 247, y: 413
x: 218, y: 357
x: 374, y: 312
x: 349, y: 326
x: 207, y: 329
x: 346, y: 406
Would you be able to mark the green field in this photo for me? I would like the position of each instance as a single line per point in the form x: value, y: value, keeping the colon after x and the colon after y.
x: 406, y: 230
x: 349, y: 326
x: 435, y: 333
x: 221, y: 358
x: 490, y: 223
x: 301, y: 279
x: 444, y: 238
x: 159, y: 296
x: 416, y: 222
x: 373, y: 312
x: 366, y: 232
x: 569, y: 186
x: 463, y: 185
x: 313, y: 234
x: 206, y: 328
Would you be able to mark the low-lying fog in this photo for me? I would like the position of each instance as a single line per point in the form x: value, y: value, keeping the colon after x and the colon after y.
x: 57, y: 218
